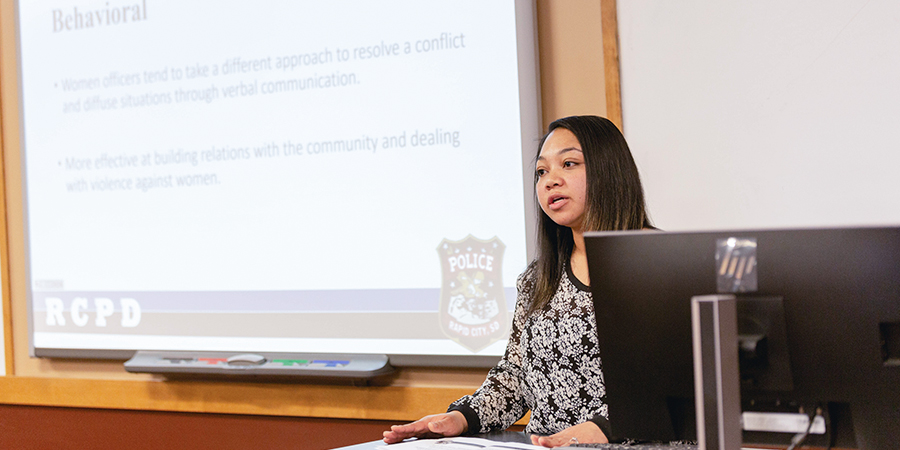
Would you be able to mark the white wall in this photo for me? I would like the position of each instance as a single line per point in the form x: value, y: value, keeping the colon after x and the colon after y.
x: 764, y: 114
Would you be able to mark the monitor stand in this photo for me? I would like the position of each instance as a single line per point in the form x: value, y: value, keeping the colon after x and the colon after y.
x: 717, y: 392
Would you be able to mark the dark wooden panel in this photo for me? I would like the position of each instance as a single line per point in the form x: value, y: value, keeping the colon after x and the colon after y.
x: 39, y: 427
x: 54, y: 428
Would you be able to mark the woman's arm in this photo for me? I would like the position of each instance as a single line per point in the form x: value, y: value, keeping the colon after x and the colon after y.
x: 499, y: 402
x: 496, y: 405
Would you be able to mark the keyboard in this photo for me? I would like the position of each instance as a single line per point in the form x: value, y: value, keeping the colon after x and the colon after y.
x: 640, y: 446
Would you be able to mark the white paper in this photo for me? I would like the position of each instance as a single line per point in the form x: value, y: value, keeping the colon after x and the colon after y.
x: 458, y: 443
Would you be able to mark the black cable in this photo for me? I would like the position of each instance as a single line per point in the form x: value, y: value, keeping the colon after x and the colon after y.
x: 798, y: 439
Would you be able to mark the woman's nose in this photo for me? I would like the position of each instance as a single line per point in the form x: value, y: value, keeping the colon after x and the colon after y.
x: 551, y: 179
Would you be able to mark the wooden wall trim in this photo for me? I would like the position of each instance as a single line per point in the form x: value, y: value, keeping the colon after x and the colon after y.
x: 272, y: 399
x: 610, y: 24
x: 5, y: 302
x: 6, y: 338
x: 570, y: 45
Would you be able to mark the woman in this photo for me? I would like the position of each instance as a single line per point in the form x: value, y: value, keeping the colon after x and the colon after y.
x: 585, y: 180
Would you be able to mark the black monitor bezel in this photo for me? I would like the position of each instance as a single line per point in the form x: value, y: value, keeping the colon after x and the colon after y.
x: 643, y: 281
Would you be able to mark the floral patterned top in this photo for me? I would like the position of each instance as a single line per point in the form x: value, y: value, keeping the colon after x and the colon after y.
x: 551, y: 367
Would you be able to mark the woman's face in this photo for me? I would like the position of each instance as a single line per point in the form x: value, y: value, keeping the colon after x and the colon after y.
x: 562, y: 180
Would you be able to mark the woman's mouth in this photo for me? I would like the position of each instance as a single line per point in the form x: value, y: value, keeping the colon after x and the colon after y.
x: 556, y: 202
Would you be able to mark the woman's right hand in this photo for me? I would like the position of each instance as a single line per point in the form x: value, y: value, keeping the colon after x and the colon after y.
x: 452, y: 423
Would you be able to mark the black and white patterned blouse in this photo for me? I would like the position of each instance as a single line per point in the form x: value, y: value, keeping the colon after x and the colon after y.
x: 551, y: 367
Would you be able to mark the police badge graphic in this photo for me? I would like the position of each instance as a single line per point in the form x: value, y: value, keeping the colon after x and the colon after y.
x: 473, y: 304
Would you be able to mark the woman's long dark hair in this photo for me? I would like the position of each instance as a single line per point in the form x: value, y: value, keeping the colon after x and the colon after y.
x: 614, y: 201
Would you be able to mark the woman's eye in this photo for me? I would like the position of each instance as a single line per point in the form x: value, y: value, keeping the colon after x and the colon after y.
x: 570, y: 163
x: 540, y: 172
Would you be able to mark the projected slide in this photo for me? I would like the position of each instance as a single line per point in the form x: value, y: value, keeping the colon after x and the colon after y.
x: 277, y: 176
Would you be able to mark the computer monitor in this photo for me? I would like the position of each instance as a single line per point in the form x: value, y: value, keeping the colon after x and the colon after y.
x: 822, y: 307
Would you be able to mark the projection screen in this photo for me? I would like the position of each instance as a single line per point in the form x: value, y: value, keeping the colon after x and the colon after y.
x: 342, y: 176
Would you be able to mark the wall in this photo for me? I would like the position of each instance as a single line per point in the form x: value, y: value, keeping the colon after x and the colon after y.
x: 574, y: 80
x: 765, y: 114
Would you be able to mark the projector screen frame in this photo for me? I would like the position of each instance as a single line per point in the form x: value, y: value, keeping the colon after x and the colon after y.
x: 530, y: 118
